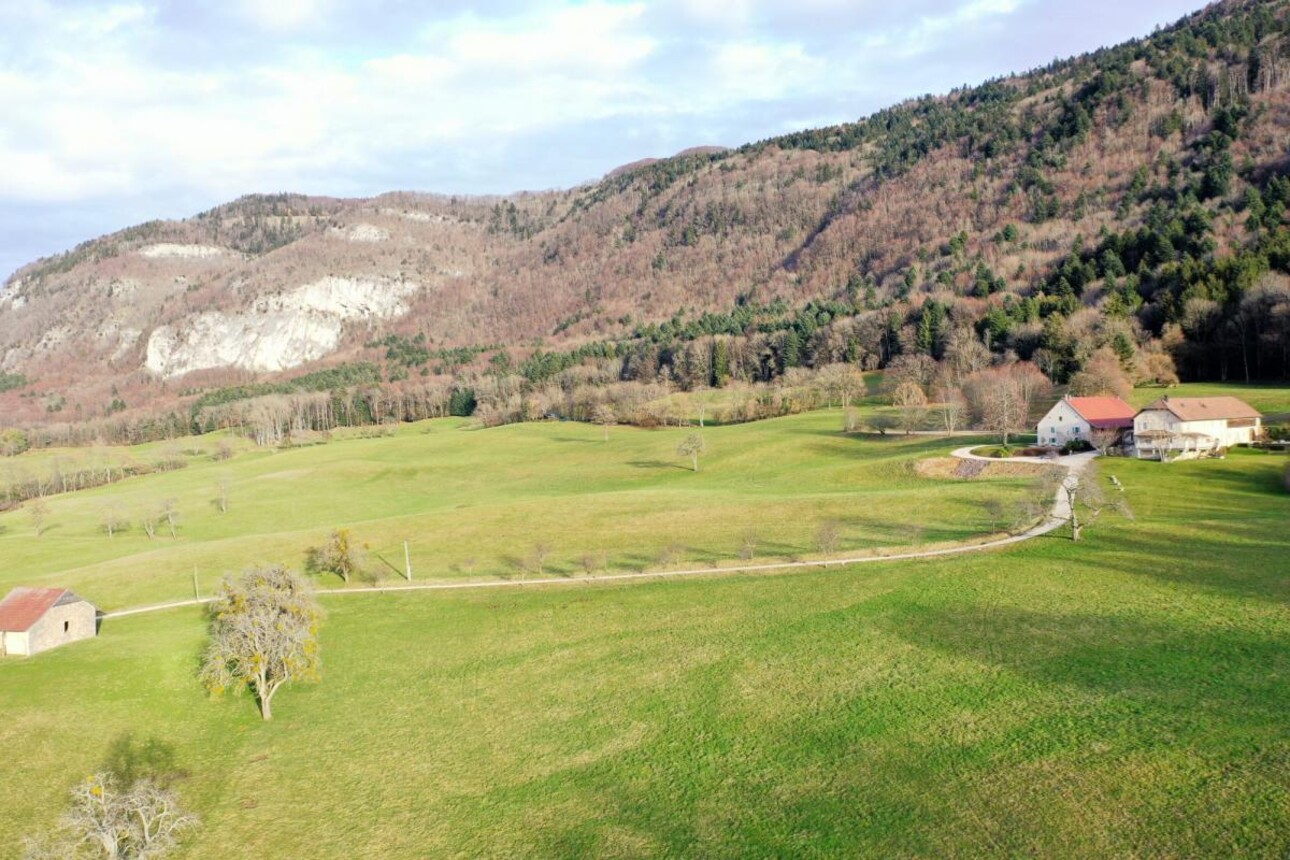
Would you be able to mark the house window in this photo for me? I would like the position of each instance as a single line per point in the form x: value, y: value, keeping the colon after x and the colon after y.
x: 67, y: 625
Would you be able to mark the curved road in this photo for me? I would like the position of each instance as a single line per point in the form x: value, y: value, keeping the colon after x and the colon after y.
x: 1056, y: 518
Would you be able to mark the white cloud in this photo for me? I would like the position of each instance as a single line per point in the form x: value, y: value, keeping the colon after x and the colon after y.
x: 594, y: 36
x: 160, y: 102
x: 284, y: 15
x: 761, y: 71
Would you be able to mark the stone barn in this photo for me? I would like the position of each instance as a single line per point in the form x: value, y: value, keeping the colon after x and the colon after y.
x: 37, y: 619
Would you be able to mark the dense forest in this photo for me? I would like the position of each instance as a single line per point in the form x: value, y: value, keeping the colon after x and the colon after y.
x: 1111, y: 219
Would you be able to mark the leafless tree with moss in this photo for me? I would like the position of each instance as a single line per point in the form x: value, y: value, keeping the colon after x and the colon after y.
x: 748, y: 544
x: 339, y: 555
x: 264, y: 634
x: 107, y: 820
x: 692, y: 446
x: 148, y: 522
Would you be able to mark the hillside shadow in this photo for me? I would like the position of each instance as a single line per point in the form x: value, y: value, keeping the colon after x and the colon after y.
x: 1241, y: 570
x: 1231, y: 676
x: 576, y: 440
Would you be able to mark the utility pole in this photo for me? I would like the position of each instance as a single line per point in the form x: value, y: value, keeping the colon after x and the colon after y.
x: 407, y: 560
x: 197, y: 592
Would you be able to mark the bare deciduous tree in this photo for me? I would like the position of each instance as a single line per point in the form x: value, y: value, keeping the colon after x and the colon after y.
x: 951, y: 408
x: 692, y: 447
x: 170, y: 513
x: 141, y: 822
x: 1104, y: 438
x: 38, y: 513
x: 748, y: 544
x: 912, y: 402
x: 1086, y: 500
x: 222, y: 485
x: 112, y: 520
x: 605, y: 417
x: 827, y: 536
x: 538, y: 557
x: 264, y: 634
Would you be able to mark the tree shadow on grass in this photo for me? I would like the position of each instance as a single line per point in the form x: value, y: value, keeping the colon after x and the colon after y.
x: 657, y: 464
x: 131, y: 759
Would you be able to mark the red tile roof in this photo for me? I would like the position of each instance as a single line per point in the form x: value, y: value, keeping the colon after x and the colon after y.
x: 1205, y: 408
x: 23, y: 607
x: 1103, y: 412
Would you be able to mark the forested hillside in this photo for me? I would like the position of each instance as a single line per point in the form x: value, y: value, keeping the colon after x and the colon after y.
x: 1114, y: 217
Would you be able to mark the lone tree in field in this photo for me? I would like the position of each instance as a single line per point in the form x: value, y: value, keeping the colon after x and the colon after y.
x: 604, y: 416
x: 827, y: 536
x: 264, y: 633
x: 106, y: 820
x: 912, y: 402
x: 38, y: 513
x: 692, y: 447
x: 170, y: 513
x: 1084, y: 498
x: 339, y: 555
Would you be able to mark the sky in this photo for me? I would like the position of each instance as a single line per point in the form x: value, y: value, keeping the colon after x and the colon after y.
x: 114, y: 113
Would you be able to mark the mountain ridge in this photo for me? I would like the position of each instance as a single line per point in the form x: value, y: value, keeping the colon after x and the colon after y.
x: 998, y: 199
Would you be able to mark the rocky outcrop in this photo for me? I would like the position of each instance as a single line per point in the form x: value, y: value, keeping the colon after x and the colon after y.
x: 277, y: 332
x: 167, y: 250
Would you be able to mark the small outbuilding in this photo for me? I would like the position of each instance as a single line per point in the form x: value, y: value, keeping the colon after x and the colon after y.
x: 1176, y: 428
x: 1073, y: 419
x: 37, y: 619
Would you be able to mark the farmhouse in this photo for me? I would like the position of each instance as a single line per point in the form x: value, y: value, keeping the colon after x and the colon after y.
x: 1076, y: 418
x: 37, y: 619
x: 1183, y: 427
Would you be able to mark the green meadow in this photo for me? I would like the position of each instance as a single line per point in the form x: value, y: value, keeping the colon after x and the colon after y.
x: 1124, y: 696
x: 474, y: 504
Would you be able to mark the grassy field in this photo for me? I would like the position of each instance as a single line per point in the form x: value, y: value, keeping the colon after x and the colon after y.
x: 1125, y: 696
x: 474, y: 503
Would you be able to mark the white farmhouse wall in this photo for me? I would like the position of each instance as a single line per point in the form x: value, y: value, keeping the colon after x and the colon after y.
x: 1160, y: 419
x: 1061, y: 425
x: 13, y: 643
